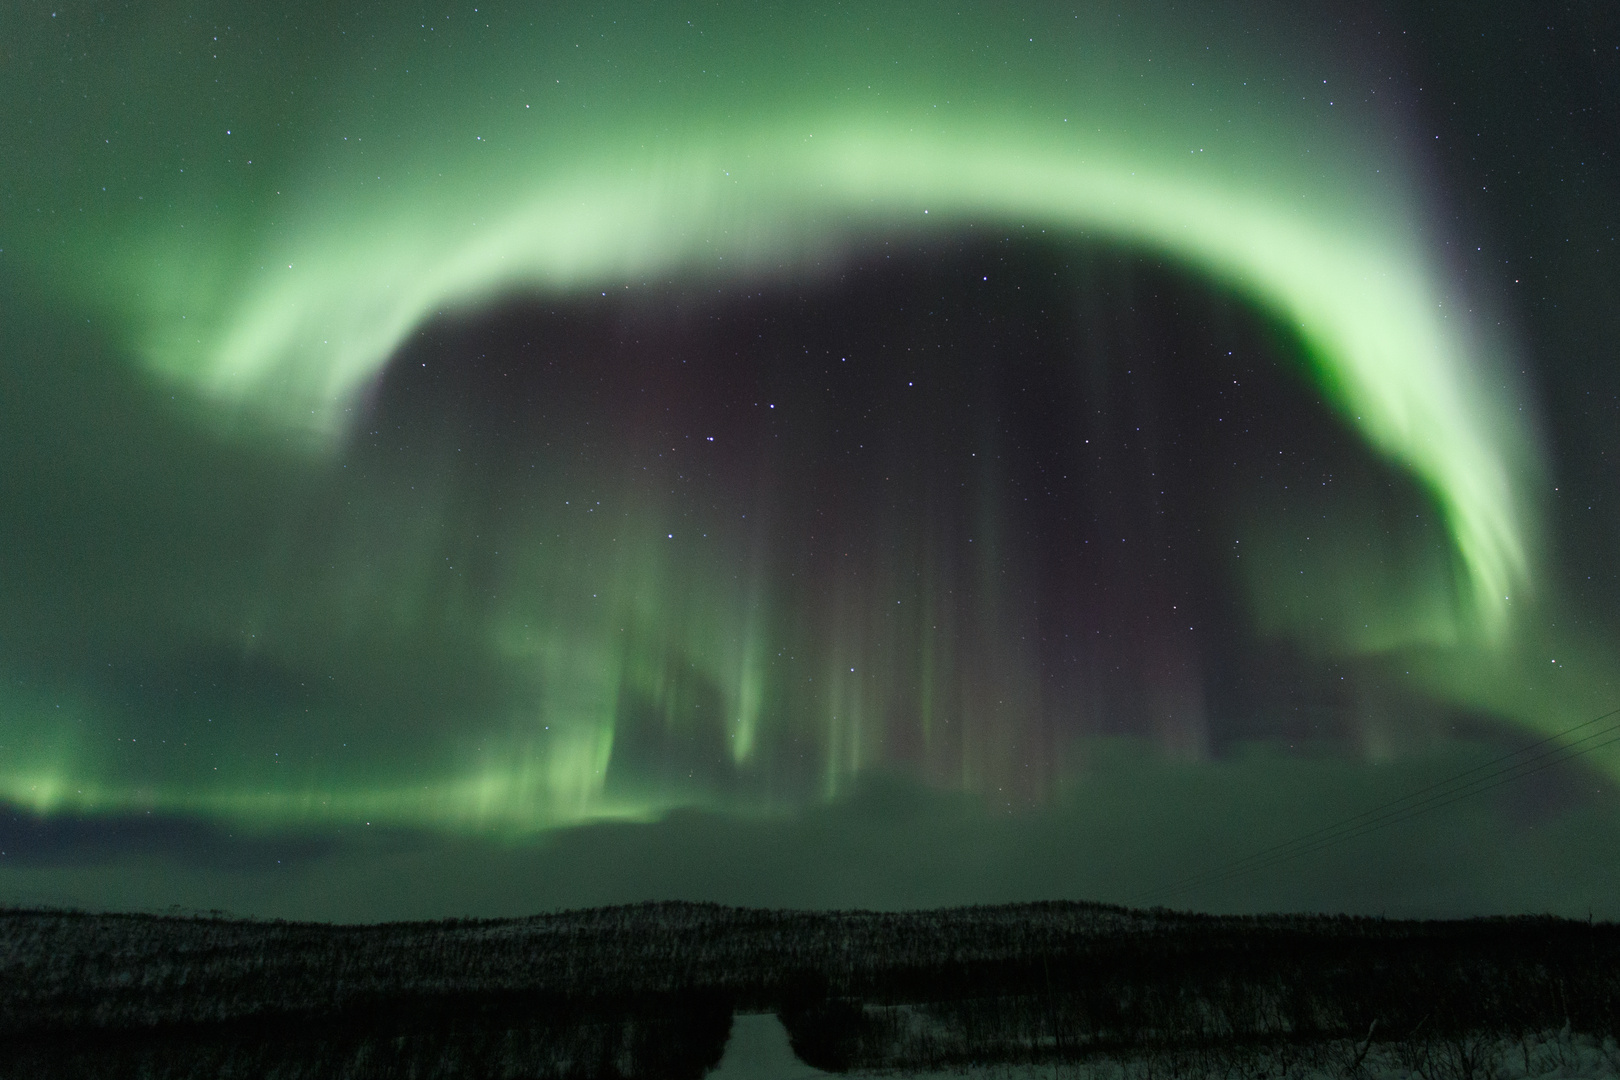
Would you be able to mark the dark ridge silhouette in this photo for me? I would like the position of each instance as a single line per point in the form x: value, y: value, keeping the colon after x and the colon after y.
x: 649, y: 990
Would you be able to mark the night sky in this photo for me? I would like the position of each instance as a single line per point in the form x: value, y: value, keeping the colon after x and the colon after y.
x: 477, y: 460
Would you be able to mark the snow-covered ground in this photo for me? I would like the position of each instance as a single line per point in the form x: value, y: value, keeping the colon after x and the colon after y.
x: 759, y: 1050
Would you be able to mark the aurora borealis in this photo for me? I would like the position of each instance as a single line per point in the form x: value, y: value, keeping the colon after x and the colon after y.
x: 501, y: 424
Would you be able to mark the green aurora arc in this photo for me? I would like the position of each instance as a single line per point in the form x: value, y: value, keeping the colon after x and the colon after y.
x: 265, y: 218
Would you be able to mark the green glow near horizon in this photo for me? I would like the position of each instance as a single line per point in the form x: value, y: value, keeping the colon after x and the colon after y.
x: 276, y: 295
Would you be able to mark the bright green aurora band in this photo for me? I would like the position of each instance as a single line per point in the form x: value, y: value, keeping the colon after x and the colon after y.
x: 264, y: 208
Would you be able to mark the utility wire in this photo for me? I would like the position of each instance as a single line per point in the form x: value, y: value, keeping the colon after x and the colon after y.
x: 1443, y: 793
x: 1434, y: 802
x: 1491, y: 774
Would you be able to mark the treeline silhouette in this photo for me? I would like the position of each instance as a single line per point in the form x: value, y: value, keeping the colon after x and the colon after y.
x: 649, y: 990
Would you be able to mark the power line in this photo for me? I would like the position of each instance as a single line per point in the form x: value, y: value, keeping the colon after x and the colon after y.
x: 1409, y: 806
x: 1481, y: 778
x: 1395, y: 817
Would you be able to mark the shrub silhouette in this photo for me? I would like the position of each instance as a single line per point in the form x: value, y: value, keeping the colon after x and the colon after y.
x: 649, y: 990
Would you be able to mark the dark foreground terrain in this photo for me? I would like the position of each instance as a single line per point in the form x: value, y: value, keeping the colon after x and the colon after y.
x: 649, y: 991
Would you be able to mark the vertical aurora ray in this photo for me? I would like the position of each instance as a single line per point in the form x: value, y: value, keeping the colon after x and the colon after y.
x: 488, y: 629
